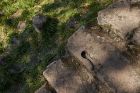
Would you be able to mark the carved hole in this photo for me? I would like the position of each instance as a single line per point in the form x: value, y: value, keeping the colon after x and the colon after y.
x: 83, y: 54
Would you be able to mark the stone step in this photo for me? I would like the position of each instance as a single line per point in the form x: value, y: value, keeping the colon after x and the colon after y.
x: 69, y: 78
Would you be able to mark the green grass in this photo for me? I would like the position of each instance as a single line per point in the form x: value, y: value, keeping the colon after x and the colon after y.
x: 35, y: 51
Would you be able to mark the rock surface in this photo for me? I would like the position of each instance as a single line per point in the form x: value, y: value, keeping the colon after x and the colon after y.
x: 120, y: 18
x: 102, y: 59
x: 135, y: 1
x: 108, y: 60
x: 69, y: 79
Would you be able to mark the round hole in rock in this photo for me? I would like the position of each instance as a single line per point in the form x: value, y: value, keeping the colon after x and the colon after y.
x: 83, y: 54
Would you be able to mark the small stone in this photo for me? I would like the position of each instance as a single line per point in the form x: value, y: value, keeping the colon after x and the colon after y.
x: 17, y: 14
x: 38, y: 22
x: 1, y: 13
x: 98, y: 37
x: 72, y: 23
x: 21, y: 25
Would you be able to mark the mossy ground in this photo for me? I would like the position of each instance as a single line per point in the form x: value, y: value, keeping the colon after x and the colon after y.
x: 25, y: 54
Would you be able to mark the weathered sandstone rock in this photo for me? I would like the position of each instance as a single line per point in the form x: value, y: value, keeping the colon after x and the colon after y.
x: 69, y: 79
x: 108, y: 58
x: 120, y: 18
x: 100, y: 62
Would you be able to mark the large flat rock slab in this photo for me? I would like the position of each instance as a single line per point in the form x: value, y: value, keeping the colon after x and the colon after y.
x: 121, y: 17
x: 108, y: 58
x: 69, y: 79
x: 98, y: 46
